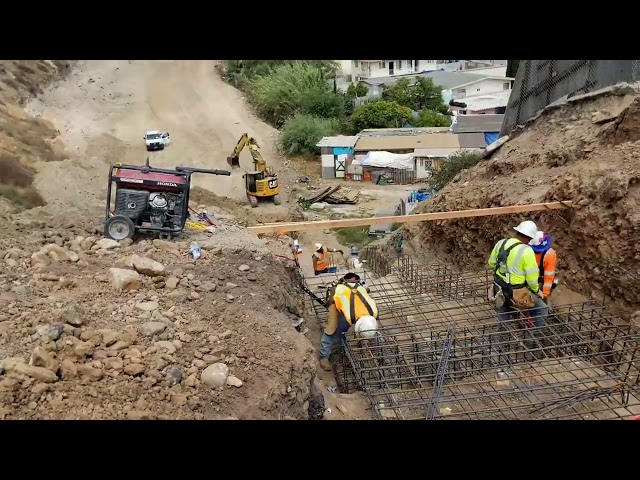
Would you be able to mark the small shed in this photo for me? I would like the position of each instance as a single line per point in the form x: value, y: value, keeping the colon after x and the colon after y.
x: 336, y: 155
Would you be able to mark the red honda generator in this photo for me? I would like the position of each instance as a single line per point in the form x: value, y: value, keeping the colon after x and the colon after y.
x: 149, y: 199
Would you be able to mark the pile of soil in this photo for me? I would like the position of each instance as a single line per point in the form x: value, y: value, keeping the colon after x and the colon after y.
x: 587, y: 152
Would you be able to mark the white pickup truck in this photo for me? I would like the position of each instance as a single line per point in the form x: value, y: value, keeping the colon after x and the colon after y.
x: 155, y: 140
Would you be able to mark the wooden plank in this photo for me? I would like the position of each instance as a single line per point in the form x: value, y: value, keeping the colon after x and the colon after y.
x: 420, y: 217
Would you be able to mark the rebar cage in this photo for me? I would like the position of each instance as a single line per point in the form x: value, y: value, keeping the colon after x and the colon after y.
x: 441, y: 353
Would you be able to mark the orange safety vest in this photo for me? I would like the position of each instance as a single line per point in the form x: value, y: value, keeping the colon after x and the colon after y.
x: 324, y: 260
x: 547, y: 265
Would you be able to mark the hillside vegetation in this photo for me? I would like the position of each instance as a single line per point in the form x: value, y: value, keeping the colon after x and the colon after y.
x: 301, y: 99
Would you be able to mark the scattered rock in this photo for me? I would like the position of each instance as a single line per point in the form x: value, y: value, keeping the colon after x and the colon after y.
x: 134, y: 369
x: 244, y: 268
x: 74, y: 315
x: 150, y: 329
x: 140, y: 415
x: 230, y: 298
x: 215, y: 375
x: 234, y: 381
x: 147, y: 306
x: 39, y: 373
x: 171, y: 283
x: 41, y: 358
x: 105, y: 244
x: 170, y: 347
x: 124, y: 280
x: 174, y: 375
x: 147, y: 266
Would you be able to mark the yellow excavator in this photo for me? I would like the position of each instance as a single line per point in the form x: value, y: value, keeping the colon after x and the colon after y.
x: 262, y: 182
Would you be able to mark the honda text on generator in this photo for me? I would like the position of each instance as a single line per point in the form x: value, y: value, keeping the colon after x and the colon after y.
x: 149, y: 199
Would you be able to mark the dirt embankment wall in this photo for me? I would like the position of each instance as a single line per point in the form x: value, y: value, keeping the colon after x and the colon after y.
x: 587, y: 152
x: 25, y: 142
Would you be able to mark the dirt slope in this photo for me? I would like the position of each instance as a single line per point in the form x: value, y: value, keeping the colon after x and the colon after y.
x: 25, y: 142
x: 105, y: 107
x: 71, y: 344
x: 587, y: 152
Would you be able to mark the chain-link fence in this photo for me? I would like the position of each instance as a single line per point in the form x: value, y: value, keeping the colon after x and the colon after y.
x: 541, y: 82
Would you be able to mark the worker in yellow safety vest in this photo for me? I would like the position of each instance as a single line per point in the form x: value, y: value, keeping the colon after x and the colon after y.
x: 516, y: 275
x: 322, y: 259
x: 349, y: 302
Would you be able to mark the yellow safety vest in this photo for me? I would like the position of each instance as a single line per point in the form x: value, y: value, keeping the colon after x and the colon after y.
x: 522, y: 267
x: 354, y: 302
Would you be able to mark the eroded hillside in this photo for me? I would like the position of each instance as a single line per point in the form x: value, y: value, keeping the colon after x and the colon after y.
x: 586, y: 151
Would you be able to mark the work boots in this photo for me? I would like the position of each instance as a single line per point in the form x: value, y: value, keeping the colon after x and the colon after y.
x: 325, y: 364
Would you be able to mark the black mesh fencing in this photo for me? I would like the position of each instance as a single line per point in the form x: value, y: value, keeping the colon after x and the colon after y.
x: 542, y: 82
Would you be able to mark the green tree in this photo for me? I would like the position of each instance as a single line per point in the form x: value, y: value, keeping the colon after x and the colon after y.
x: 403, y: 93
x: 456, y: 163
x: 299, y: 87
x: 301, y: 133
x: 429, y: 96
x: 357, y: 90
x: 379, y: 114
x: 429, y: 118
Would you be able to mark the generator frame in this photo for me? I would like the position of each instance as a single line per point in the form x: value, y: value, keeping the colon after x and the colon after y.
x: 181, y: 176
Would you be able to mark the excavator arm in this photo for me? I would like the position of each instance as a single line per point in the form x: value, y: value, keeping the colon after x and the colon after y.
x: 259, y: 162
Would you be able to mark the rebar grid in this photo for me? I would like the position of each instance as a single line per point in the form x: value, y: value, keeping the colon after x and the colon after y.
x: 579, y: 365
x: 442, y: 354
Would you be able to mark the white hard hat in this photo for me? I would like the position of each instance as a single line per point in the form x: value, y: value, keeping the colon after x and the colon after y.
x: 366, y: 326
x: 537, y: 239
x: 527, y: 228
x: 318, y: 246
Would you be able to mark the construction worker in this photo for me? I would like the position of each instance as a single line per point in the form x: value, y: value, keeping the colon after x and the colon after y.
x: 348, y: 302
x: 322, y: 259
x: 516, y: 274
x: 546, y: 258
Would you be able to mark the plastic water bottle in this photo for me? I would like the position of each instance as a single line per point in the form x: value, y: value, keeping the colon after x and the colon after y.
x: 195, y: 250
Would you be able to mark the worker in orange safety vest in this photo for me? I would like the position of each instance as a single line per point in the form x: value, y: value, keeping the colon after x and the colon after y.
x: 547, y: 260
x: 322, y: 259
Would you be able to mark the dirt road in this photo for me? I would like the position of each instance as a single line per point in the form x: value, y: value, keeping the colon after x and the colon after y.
x: 103, y: 110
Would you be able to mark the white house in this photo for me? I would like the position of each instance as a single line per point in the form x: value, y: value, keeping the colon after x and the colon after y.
x: 361, y: 69
x: 482, y: 86
x: 488, y: 103
x: 456, y: 85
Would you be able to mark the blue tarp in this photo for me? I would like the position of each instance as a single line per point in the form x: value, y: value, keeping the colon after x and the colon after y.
x: 416, y: 196
x: 490, y: 137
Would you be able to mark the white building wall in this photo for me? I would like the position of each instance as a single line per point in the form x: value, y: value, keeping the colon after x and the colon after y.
x: 346, y: 66
x: 483, y: 87
x: 328, y: 166
x: 381, y: 68
x: 498, y: 71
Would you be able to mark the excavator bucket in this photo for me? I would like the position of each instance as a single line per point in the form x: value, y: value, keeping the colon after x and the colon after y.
x: 234, y: 162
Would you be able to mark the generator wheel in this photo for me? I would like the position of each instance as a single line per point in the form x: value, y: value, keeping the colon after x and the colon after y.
x: 253, y: 201
x: 277, y: 200
x: 119, y: 227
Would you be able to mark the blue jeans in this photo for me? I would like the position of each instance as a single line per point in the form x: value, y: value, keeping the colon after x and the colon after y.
x: 539, y: 313
x: 329, y: 343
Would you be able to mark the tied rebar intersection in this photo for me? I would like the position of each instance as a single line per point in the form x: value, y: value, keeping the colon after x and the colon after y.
x: 442, y: 354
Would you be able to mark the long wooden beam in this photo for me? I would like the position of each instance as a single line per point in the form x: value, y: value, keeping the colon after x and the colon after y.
x: 285, y: 227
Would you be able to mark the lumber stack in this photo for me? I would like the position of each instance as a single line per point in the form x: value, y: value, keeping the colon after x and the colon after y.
x: 335, y: 195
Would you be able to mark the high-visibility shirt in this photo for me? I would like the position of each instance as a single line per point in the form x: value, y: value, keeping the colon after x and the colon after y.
x: 354, y: 302
x: 521, y: 264
x: 324, y: 260
x: 547, y: 272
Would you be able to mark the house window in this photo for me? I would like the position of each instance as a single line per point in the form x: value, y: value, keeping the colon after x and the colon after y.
x: 356, y: 63
x: 506, y: 86
x: 409, y: 64
x: 399, y: 64
x: 477, y: 89
x: 417, y: 64
x: 382, y: 65
x: 462, y: 91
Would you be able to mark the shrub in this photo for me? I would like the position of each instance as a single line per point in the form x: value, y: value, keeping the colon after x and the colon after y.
x: 357, y: 90
x: 429, y: 118
x: 23, y: 198
x: 301, y: 133
x: 290, y: 89
x: 456, y: 163
x: 379, y: 114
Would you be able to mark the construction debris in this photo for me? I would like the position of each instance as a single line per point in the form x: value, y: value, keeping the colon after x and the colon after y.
x: 334, y: 195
